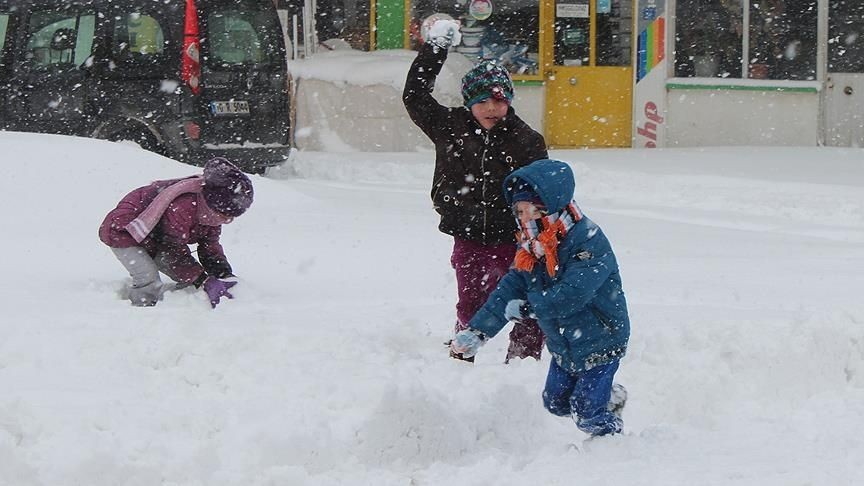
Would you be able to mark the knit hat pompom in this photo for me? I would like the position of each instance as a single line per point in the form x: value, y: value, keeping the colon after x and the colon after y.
x: 486, y: 80
x: 227, y: 190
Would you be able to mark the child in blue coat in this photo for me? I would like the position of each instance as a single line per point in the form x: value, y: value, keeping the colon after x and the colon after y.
x: 566, y: 276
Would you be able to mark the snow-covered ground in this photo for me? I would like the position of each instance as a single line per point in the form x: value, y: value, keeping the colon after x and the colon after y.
x: 744, y: 270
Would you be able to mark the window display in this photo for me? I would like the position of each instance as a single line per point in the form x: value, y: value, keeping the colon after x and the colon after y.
x: 783, y: 39
x: 505, y: 30
x: 711, y: 36
x: 343, y: 19
x: 708, y: 40
x: 845, y: 42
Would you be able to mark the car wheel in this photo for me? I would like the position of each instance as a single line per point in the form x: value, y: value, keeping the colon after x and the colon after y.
x: 143, y: 139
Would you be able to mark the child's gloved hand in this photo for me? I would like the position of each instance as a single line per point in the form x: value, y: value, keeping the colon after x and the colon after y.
x: 444, y: 33
x: 518, y: 310
x: 217, y: 289
x: 467, y: 342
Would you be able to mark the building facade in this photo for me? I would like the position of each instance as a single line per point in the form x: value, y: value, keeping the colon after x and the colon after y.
x: 648, y: 73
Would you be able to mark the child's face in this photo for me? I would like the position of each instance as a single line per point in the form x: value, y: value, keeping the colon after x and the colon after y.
x: 210, y: 217
x: 489, y: 111
x: 526, y: 212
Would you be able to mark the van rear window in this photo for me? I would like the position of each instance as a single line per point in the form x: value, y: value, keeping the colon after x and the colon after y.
x: 241, y: 34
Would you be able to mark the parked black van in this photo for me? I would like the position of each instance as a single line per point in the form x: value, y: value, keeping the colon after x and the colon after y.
x: 190, y: 79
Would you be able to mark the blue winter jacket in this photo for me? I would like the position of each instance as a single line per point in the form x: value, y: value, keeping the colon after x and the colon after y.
x: 582, y: 310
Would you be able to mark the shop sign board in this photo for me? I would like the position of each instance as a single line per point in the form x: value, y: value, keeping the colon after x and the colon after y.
x: 649, y: 92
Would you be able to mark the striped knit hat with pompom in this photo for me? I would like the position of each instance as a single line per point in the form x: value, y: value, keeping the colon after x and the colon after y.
x: 486, y: 80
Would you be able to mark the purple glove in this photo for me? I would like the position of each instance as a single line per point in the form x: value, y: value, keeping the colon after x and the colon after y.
x: 216, y: 288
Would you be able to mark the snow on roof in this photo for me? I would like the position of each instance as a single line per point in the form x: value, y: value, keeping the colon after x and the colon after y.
x: 387, y: 67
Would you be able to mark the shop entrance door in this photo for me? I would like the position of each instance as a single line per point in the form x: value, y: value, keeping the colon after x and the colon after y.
x: 844, y: 84
x: 589, y: 83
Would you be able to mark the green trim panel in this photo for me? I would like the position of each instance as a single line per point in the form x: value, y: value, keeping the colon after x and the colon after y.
x: 528, y: 82
x: 734, y: 87
x: 390, y: 23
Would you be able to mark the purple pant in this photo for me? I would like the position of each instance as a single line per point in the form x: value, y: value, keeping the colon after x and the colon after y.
x: 478, y: 268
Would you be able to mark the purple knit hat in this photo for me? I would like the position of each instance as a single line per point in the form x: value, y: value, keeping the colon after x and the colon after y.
x: 227, y: 189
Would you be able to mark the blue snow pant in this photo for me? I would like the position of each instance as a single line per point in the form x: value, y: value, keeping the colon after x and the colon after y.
x: 584, y: 397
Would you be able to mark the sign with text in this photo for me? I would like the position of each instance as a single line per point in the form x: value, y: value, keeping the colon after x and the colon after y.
x: 649, y: 93
x: 572, y: 10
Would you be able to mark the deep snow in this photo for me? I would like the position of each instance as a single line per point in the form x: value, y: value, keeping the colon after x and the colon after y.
x: 742, y: 267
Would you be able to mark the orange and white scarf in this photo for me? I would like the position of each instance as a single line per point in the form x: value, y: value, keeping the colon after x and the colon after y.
x: 539, y: 238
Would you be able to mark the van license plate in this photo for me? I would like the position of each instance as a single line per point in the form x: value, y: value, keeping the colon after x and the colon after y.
x: 232, y: 107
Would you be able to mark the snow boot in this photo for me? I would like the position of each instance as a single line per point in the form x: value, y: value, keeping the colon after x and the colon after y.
x: 617, y: 400
x: 459, y: 357
x: 147, y: 295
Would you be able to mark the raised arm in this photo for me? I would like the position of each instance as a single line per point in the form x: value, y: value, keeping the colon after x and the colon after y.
x: 423, y: 108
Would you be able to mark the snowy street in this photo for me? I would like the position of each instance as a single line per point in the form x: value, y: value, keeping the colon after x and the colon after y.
x: 743, y: 269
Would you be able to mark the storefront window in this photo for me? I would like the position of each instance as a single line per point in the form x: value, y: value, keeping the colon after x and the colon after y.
x: 573, y: 28
x: 572, y: 33
x: 614, y: 18
x: 505, y: 30
x: 846, y: 36
x: 343, y: 19
x: 783, y: 39
x: 708, y: 40
x: 781, y: 35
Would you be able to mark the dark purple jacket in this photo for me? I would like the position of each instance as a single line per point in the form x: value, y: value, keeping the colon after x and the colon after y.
x: 471, y: 162
x: 171, y: 238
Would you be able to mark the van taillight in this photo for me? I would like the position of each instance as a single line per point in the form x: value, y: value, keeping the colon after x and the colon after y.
x: 193, y: 130
x: 190, y: 70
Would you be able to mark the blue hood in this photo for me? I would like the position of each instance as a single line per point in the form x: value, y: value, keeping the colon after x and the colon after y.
x: 552, y: 180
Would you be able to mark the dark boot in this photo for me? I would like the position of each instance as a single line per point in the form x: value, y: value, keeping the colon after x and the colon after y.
x: 460, y: 357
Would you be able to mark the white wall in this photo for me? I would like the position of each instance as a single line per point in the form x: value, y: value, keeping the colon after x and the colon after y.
x: 719, y: 117
x: 351, y: 101
x: 351, y: 118
x: 347, y: 118
x: 530, y: 104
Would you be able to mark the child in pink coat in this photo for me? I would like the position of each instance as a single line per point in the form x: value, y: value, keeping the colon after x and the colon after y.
x: 151, y: 229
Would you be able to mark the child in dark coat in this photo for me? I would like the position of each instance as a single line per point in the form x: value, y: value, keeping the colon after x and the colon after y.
x: 150, y: 229
x: 566, y: 276
x: 476, y: 146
